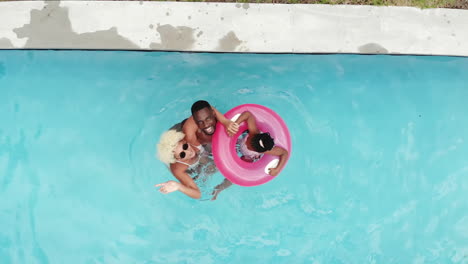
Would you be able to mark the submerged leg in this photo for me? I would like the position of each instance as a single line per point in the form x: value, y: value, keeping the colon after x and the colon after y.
x: 220, y: 187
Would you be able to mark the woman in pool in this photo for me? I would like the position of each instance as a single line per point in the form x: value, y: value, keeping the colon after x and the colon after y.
x: 180, y: 157
x: 253, y: 146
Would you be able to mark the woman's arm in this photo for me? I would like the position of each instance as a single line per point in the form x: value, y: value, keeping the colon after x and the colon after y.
x: 283, y: 156
x: 186, y: 185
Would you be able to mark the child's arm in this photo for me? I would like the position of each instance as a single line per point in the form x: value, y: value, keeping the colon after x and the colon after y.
x: 251, y: 122
x: 283, y: 156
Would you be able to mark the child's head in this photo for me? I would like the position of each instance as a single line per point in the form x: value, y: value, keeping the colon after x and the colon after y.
x: 262, y: 142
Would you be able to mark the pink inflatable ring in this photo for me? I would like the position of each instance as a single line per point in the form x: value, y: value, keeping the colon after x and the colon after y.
x: 224, y: 147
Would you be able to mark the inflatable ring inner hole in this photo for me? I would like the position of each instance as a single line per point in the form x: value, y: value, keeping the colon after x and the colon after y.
x: 244, y: 134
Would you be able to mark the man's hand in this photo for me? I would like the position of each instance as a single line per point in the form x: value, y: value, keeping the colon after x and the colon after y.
x: 232, y: 128
x: 168, y: 187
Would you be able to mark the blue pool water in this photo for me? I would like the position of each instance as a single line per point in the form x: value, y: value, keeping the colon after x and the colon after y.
x: 379, y: 171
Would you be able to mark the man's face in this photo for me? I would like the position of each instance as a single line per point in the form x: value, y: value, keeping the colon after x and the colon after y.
x: 206, y: 120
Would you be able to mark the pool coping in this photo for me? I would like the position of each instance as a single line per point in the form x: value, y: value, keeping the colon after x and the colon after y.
x: 232, y: 27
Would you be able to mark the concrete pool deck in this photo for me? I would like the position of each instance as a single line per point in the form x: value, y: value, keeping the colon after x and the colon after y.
x: 232, y: 27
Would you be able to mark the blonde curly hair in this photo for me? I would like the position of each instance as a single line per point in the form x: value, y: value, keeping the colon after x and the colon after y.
x: 167, y: 143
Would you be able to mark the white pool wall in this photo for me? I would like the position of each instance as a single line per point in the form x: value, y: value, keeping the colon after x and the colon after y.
x: 232, y: 27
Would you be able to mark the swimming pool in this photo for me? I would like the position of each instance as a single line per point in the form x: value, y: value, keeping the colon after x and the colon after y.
x: 379, y: 172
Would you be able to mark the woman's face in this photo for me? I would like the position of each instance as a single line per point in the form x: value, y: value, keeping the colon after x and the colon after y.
x: 184, y: 151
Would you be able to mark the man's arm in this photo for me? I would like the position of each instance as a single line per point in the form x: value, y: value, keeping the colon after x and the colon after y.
x: 190, y: 130
x: 229, y: 125
x: 220, y: 187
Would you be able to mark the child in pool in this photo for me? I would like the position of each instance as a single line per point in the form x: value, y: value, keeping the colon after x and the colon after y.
x: 253, y: 146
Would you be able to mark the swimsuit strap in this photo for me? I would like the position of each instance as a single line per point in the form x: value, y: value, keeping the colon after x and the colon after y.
x: 190, y: 166
x: 183, y: 163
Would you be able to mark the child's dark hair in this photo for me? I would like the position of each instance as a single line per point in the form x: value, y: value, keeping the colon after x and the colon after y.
x: 199, y: 105
x: 262, y: 142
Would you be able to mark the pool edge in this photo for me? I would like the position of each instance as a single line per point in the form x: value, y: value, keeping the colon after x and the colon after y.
x: 232, y: 27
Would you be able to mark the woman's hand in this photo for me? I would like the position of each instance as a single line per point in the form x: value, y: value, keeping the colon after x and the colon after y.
x: 168, y: 187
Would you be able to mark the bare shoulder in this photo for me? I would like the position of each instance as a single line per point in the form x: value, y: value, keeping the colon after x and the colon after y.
x: 177, y: 168
x: 190, y: 125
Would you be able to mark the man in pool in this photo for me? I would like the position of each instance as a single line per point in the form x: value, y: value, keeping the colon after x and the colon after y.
x: 200, y: 127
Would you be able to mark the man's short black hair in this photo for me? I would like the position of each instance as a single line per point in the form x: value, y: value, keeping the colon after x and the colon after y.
x: 199, y: 105
x: 262, y: 142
